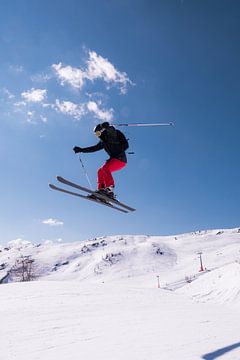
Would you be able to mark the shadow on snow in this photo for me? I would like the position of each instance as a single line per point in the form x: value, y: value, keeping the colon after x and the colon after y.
x: 220, y: 352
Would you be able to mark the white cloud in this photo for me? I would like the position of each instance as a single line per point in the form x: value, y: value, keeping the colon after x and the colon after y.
x: 46, y: 105
x: 41, y: 78
x: 69, y: 108
x: 43, y: 119
x: 78, y: 110
x: 20, y: 104
x: 19, y: 243
x: 100, y: 68
x: 52, y: 222
x: 30, y: 117
x: 69, y: 74
x: 105, y: 115
x: 35, y: 95
x: 48, y: 242
x: 8, y: 93
x: 97, y: 68
x: 16, y: 68
x: 36, y: 104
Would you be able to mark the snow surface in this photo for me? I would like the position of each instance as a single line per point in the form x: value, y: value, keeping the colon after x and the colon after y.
x: 100, y: 299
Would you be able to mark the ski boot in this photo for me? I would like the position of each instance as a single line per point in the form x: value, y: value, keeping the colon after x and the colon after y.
x: 108, y: 191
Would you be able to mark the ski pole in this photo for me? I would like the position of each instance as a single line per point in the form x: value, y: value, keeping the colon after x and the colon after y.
x: 146, y: 124
x: 85, y: 172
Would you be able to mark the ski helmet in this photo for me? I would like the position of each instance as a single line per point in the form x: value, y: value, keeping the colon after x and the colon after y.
x: 100, y: 128
x: 105, y: 125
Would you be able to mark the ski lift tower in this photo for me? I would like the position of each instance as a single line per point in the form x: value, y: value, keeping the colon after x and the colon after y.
x: 201, y: 263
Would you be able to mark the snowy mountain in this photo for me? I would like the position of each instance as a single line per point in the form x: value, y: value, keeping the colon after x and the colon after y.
x: 100, y: 299
x: 175, y: 259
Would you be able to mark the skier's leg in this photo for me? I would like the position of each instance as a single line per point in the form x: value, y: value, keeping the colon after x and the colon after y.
x: 101, y: 178
x: 107, y: 169
x: 104, y: 177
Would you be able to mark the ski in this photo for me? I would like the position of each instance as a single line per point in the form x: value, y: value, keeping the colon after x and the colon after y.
x: 54, y: 187
x: 100, y: 196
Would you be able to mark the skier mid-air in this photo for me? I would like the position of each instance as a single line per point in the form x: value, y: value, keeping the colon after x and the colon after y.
x: 114, y: 142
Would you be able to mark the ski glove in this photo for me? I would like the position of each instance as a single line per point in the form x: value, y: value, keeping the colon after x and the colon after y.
x: 77, y: 149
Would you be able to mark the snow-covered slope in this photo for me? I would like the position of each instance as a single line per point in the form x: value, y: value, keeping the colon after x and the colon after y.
x: 175, y: 259
x: 221, y: 285
x: 68, y: 320
x: 100, y: 299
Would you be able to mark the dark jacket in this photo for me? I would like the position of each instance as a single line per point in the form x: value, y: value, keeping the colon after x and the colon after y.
x: 113, y: 142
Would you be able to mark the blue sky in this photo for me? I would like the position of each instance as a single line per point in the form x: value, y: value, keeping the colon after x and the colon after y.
x: 67, y: 65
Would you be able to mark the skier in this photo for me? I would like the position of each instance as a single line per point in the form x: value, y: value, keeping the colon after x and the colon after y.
x: 115, y: 144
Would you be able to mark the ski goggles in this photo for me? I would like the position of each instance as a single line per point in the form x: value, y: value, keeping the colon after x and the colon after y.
x: 99, y: 132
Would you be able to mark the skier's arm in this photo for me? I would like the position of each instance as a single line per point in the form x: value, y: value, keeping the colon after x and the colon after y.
x: 97, y: 147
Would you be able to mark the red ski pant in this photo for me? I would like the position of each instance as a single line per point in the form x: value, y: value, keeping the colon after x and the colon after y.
x: 105, y: 178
